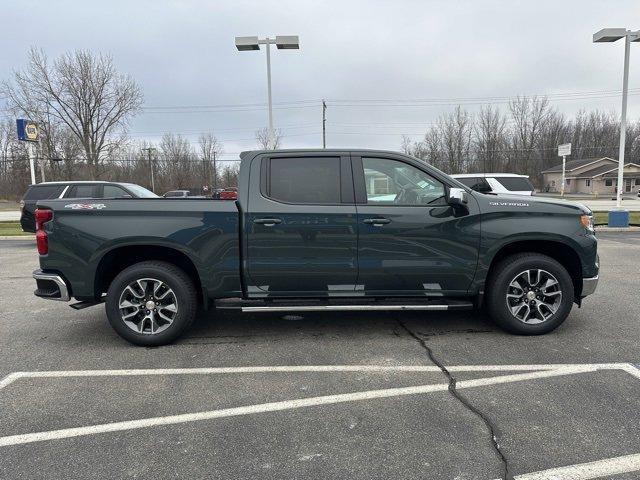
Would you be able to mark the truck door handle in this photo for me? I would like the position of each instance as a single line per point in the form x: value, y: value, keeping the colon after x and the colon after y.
x: 377, y: 222
x: 267, y: 222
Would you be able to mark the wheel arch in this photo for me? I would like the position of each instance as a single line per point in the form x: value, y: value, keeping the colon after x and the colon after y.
x: 560, y: 251
x: 119, y: 258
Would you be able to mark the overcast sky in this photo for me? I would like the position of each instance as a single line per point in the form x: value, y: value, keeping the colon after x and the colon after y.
x: 182, y: 54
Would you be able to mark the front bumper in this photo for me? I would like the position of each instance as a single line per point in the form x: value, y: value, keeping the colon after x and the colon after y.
x: 589, y: 285
x: 51, y: 286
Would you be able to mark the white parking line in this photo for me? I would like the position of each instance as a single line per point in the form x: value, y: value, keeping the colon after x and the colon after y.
x: 282, y: 405
x: 586, y: 471
x: 9, y: 379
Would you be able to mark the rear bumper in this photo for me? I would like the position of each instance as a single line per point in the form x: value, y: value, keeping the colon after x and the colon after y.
x: 589, y: 285
x: 51, y: 286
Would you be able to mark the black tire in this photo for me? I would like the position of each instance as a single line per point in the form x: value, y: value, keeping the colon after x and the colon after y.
x: 498, y: 286
x: 184, y: 294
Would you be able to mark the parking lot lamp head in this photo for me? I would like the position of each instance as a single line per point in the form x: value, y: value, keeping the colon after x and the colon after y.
x: 287, y: 42
x: 247, y: 43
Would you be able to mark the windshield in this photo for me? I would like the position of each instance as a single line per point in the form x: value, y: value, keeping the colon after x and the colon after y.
x: 139, y: 191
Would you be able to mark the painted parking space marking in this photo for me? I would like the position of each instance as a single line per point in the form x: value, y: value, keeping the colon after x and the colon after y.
x: 9, y: 379
x: 515, y: 373
x: 283, y: 405
x: 586, y: 471
x: 288, y: 405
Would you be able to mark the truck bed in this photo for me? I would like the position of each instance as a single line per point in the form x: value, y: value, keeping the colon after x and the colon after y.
x: 86, y: 235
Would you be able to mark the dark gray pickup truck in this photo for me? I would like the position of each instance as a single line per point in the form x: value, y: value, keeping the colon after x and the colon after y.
x: 319, y: 230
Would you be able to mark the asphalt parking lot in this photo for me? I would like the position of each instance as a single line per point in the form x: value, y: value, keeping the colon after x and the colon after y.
x: 353, y: 395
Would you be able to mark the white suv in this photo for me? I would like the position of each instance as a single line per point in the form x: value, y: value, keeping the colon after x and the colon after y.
x: 501, y: 183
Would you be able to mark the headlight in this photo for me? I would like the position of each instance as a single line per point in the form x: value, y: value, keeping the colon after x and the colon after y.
x: 587, y: 222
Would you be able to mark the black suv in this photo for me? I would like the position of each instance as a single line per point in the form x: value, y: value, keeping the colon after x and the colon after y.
x: 88, y: 189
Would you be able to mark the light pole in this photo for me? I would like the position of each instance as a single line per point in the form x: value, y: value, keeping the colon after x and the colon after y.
x: 611, y: 35
x: 282, y: 42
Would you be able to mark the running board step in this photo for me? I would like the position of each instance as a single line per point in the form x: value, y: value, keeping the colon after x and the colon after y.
x: 367, y: 307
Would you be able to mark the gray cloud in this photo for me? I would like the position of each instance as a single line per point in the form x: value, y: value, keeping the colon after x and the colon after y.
x: 182, y: 53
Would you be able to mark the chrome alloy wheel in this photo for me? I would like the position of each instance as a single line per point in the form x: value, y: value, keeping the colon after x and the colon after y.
x: 148, y: 306
x: 533, y: 296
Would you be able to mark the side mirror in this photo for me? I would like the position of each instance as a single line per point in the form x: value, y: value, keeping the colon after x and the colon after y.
x: 457, y: 197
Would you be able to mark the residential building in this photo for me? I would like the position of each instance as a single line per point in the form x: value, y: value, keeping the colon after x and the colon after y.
x: 596, y: 176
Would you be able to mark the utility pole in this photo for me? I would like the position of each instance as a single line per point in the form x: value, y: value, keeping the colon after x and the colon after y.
x: 324, y: 124
x: 149, y: 150
x: 215, y: 172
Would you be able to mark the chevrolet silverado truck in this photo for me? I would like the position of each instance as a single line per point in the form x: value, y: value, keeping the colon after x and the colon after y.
x: 319, y: 230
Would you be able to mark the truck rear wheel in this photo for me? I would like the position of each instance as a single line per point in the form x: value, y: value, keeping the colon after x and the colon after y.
x: 151, y: 303
x: 529, y: 294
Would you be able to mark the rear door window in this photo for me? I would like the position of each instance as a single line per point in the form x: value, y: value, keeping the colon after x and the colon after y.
x: 81, y: 191
x: 515, y: 183
x: 304, y: 180
x: 113, y: 191
x: 44, y: 192
x: 478, y: 184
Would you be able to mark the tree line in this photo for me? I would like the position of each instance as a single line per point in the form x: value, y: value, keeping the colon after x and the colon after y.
x: 83, y: 107
x: 523, y: 138
x: 176, y: 162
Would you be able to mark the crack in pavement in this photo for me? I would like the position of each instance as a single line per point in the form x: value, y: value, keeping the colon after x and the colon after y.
x: 458, y: 396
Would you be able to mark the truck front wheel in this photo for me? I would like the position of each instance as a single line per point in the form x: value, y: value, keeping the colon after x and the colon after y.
x: 151, y: 303
x: 529, y: 294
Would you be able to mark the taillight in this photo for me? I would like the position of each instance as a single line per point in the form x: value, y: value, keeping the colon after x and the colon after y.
x: 42, y: 216
x: 42, y: 242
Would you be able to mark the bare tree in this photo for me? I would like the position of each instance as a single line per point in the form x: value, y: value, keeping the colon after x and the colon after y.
x: 210, y: 149
x: 490, y: 139
x: 80, y: 90
x: 262, y: 137
x: 406, y: 145
x: 230, y: 175
x: 177, y: 161
x: 528, y: 115
x: 455, y: 131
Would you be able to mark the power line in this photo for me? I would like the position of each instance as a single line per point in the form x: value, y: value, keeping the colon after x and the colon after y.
x: 550, y: 96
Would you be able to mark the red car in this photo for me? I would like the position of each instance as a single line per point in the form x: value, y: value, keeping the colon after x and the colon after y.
x: 229, y: 194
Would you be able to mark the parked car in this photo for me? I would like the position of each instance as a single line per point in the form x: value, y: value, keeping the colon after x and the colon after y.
x: 177, y: 194
x: 230, y: 193
x: 499, y: 183
x: 181, y: 194
x: 77, y: 189
x: 305, y: 235
x: 215, y: 193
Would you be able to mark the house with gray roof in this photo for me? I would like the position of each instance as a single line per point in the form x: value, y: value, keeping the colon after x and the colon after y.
x: 592, y: 176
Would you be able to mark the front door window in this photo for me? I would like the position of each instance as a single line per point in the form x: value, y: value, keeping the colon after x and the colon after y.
x: 391, y: 182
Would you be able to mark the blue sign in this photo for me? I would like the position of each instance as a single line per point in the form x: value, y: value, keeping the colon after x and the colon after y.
x: 27, y: 130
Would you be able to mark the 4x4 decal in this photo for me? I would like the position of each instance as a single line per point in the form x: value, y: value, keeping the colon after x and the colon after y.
x: 86, y: 206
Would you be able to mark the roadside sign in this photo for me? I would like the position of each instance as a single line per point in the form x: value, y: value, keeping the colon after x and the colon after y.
x: 27, y: 130
x: 564, y: 150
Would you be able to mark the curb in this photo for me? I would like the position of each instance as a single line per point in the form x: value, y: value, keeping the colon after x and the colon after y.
x: 617, y: 229
x: 17, y: 237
